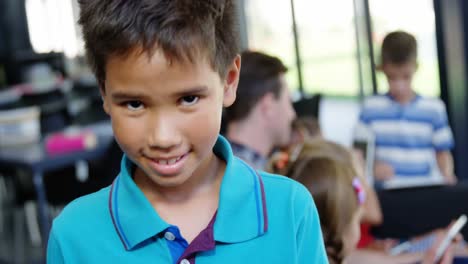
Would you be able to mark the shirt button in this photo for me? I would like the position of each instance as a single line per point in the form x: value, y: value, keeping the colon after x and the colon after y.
x: 184, y: 261
x: 169, y: 236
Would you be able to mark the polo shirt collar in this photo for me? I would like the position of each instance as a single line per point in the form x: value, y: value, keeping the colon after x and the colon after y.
x: 242, y: 206
x: 133, y: 216
x: 241, y: 213
x: 412, y: 101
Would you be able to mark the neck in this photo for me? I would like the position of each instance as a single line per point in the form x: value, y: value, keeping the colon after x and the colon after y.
x: 404, y: 98
x: 206, y: 180
x: 251, y: 133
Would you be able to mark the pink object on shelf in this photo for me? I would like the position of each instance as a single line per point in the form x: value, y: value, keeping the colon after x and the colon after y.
x: 63, y: 142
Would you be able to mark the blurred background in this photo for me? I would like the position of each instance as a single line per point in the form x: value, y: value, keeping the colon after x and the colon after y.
x: 330, y: 47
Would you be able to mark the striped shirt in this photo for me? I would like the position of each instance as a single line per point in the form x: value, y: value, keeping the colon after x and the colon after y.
x: 408, y: 136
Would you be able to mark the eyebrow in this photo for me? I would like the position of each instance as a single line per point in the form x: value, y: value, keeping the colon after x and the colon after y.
x: 127, y: 96
x: 191, y: 91
x: 136, y: 95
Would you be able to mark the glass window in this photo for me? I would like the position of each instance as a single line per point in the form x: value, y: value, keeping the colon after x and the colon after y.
x: 394, y: 15
x: 52, y: 26
x: 328, y: 46
x: 269, y: 33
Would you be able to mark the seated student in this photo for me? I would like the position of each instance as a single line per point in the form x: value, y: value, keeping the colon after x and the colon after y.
x: 166, y: 69
x: 413, y: 138
x: 308, y: 128
x: 260, y: 118
x: 326, y: 170
x: 305, y: 127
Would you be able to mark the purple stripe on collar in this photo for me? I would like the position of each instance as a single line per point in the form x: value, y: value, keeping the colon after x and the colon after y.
x: 203, y: 242
x: 112, y: 215
x: 265, y: 214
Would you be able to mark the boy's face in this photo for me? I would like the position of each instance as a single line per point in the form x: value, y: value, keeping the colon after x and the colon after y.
x: 166, y: 117
x: 399, y: 77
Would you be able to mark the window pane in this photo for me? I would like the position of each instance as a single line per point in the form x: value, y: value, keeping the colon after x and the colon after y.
x: 52, y: 26
x: 269, y: 27
x: 394, y: 15
x: 328, y: 46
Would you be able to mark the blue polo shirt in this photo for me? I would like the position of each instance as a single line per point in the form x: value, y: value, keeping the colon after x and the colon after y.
x: 261, y: 218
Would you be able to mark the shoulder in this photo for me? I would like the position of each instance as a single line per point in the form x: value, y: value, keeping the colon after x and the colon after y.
x: 83, y: 212
x: 283, y: 191
x: 430, y: 104
x: 376, y: 102
x: 285, y: 185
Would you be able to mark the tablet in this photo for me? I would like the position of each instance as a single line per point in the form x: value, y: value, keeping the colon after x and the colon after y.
x: 418, y: 246
x: 364, y: 141
x: 422, y: 245
x: 453, y: 231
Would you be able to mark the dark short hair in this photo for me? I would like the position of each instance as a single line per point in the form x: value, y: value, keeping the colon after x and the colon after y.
x: 185, y: 30
x: 399, y: 47
x: 259, y: 75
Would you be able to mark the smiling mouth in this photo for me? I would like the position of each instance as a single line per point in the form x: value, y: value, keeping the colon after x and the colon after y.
x: 170, y: 161
x: 169, y: 166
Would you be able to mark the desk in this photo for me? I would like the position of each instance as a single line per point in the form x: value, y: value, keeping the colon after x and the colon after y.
x: 34, y: 158
x: 413, y: 211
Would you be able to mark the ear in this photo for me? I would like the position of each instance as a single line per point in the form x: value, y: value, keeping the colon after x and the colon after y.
x: 266, y: 104
x: 102, y: 91
x: 231, y: 81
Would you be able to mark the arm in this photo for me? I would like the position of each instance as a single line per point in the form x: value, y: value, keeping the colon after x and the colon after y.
x: 445, y: 163
x: 362, y: 256
x: 442, y: 141
x: 309, y: 240
x: 372, y: 213
x: 370, y: 256
x: 383, y: 171
x: 54, y: 252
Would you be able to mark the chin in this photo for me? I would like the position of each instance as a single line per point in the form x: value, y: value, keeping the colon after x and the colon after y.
x: 169, y: 182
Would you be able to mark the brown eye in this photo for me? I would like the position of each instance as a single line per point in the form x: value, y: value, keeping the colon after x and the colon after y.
x: 134, y: 105
x: 189, y: 100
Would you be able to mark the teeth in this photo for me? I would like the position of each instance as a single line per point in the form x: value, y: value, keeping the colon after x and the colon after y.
x: 169, y: 161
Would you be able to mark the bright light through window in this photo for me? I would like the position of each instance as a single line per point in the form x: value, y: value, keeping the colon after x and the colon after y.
x: 328, y: 46
x: 52, y: 26
x: 269, y: 26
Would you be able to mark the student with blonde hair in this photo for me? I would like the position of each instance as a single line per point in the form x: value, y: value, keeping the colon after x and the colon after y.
x: 326, y: 169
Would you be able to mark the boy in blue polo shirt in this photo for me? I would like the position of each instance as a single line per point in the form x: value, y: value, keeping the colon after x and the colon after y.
x: 166, y: 69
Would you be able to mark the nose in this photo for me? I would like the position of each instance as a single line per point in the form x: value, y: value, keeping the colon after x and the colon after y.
x: 163, y: 132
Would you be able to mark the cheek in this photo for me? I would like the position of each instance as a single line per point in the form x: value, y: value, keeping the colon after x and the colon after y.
x: 205, y: 124
x: 128, y: 132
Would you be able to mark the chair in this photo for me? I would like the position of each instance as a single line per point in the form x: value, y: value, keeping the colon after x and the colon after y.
x: 309, y: 106
x: 54, y: 116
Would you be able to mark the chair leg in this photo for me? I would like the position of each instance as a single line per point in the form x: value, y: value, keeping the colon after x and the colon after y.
x: 18, y: 237
x: 32, y: 223
x: 3, y: 198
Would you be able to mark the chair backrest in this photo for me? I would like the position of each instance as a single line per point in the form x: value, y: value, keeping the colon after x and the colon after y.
x: 309, y: 106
